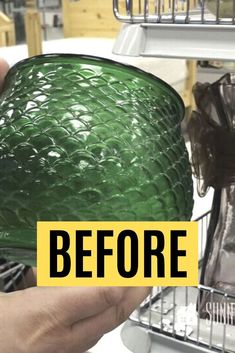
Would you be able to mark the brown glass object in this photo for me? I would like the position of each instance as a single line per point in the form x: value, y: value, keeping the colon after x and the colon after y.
x: 212, y: 135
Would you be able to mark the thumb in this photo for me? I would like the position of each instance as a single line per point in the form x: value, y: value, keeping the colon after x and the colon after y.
x: 4, y: 67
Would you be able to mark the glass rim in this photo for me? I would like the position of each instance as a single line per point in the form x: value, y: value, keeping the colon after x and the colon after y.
x: 103, y: 60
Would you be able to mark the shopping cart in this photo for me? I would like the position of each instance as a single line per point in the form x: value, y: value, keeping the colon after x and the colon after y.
x: 203, y: 12
x: 12, y: 276
x: 192, y: 29
x: 202, y: 29
x: 171, y: 319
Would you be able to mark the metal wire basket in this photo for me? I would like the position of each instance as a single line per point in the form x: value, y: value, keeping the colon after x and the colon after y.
x: 192, y: 29
x: 12, y: 276
x: 176, y: 11
x: 171, y: 312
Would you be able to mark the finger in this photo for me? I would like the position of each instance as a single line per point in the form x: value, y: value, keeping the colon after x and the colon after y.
x: 71, y: 304
x: 109, y: 319
x: 84, y: 346
x: 4, y: 67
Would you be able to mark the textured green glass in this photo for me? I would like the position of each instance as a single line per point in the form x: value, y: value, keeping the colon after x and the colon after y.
x: 84, y: 138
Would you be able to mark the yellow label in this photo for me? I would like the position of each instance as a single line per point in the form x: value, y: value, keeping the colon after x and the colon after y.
x: 117, y: 253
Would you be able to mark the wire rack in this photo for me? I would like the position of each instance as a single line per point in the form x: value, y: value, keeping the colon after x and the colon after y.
x: 173, y: 312
x: 188, y: 29
x: 12, y: 276
x: 176, y: 11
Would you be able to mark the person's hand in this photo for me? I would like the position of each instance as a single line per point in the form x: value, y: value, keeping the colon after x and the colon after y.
x: 3, y: 71
x: 65, y: 319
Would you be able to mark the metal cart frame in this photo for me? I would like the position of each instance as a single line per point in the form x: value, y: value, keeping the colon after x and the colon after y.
x: 170, y: 317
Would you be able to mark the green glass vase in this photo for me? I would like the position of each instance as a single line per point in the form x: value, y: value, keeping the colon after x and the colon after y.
x: 85, y: 138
